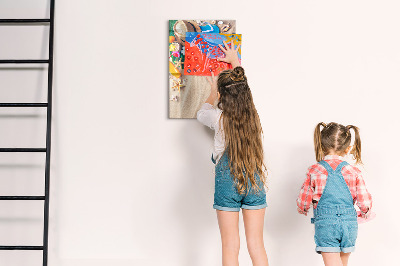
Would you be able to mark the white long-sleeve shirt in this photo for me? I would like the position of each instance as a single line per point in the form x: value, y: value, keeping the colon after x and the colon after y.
x: 210, y: 116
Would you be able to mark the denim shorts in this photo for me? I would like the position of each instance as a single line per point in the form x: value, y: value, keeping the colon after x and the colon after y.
x: 335, y: 232
x: 226, y: 195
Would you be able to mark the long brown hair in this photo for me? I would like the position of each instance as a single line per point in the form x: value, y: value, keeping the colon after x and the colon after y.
x: 242, y: 129
x: 336, y: 137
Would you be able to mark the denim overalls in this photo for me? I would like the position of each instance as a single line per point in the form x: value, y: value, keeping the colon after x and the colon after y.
x: 226, y: 195
x: 335, y: 218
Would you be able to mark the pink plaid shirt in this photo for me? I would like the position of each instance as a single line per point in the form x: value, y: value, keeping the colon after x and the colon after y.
x: 314, y: 185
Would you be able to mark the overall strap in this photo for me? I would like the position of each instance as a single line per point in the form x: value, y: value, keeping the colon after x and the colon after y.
x: 326, y: 166
x: 336, y: 197
x: 340, y: 166
x: 212, y: 159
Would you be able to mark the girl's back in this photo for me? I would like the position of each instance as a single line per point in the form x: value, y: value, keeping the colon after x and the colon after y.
x: 315, y: 182
x: 239, y: 158
x: 332, y: 187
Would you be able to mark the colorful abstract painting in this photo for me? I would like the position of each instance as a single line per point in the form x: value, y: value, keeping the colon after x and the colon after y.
x: 202, y: 52
x: 188, y: 92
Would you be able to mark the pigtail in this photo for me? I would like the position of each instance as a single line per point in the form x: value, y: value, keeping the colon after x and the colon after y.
x: 319, y: 153
x: 356, y: 151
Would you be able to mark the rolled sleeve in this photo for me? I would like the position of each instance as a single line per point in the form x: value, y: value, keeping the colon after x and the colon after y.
x: 305, y: 196
x: 208, y: 115
x: 364, y: 198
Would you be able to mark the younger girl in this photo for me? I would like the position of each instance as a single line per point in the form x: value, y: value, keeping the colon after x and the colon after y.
x: 333, y: 186
x: 238, y: 154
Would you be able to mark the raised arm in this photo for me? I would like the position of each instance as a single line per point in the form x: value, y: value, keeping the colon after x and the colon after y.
x: 208, y: 115
x: 231, y: 57
x: 214, y: 89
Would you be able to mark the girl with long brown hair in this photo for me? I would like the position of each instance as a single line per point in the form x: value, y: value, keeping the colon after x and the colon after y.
x: 240, y: 173
x: 333, y: 186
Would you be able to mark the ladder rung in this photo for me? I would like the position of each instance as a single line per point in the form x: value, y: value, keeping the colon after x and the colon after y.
x: 21, y: 247
x: 34, y: 20
x: 24, y: 61
x: 22, y: 197
x: 23, y: 104
x: 22, y: 149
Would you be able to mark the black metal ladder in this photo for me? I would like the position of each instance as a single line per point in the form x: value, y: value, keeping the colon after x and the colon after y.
x: 48, y: 105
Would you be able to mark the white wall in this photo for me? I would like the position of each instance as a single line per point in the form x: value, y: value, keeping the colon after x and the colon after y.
x: 131, y: 187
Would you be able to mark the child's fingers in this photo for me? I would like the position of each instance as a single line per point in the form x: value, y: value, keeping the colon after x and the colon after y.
x: 237, y: 48
x: 232, y: 46
x: 222, y: 48
x: 226, y: 45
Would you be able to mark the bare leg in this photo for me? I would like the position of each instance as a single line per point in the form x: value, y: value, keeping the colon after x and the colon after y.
x: 254, y: 227
x: 229, y: 228
x: 332, y: 259
x: 345, y: 258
